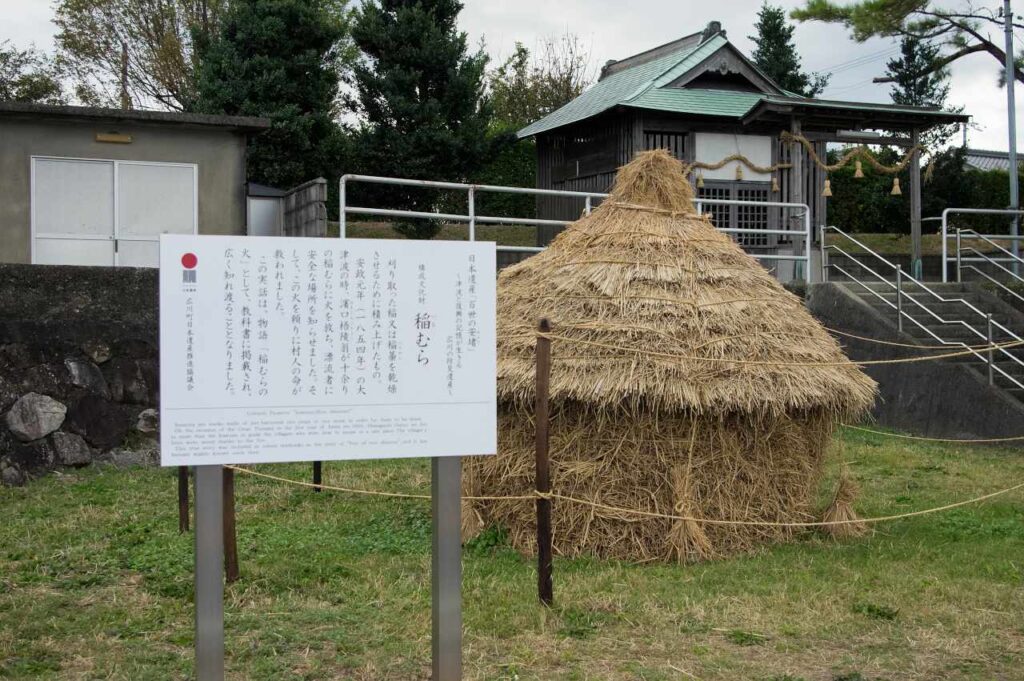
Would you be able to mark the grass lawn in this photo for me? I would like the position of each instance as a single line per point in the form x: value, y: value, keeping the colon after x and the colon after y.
x: 95, y: 582
x: 899, y: 244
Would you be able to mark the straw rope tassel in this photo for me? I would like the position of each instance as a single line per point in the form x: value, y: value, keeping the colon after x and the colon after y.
x: 687, y: 539
x: 842, y: 522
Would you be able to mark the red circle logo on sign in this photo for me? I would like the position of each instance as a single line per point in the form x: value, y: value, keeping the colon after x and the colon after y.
x: 189, y: 261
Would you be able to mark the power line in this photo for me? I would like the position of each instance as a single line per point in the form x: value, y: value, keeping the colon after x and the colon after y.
x: 862, y: 60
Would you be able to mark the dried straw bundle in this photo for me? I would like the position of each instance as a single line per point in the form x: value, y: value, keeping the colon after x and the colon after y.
x: 841, y: 509
x: 640, y: 278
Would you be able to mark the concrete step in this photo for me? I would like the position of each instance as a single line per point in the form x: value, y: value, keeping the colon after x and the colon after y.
x: 947, y: 289
x: 952, y: 318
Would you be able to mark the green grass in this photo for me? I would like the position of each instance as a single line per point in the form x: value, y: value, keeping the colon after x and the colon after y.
x: 899, y: 244
x: 95, y: 582
x: 504, y: 235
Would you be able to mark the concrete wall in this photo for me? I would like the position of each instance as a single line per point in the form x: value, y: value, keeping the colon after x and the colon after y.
x: 934, y: 399
x: 219, y: 154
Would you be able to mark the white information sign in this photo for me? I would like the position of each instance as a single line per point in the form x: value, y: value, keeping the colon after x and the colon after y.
x: 302, y: 349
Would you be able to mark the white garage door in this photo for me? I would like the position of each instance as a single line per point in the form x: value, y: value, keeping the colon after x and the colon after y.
x: 87, y: 212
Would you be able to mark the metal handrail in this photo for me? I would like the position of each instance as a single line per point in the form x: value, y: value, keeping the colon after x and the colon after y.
x: 990, y: 324
x: 961, y: 266
x: 986, y: 239
x: 472, y: 219
x: 968, y: 211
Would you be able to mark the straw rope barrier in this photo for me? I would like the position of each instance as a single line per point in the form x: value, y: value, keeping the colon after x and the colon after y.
x: 369, y: 492
x: 847, y: 334
x: 989, y: 440
x: 766, y: 362
x: 640, y: 512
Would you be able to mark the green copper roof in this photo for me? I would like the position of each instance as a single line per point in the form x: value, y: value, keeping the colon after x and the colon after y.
x: 648, y: 86
x: 723, y: 103
x: 622, y: 87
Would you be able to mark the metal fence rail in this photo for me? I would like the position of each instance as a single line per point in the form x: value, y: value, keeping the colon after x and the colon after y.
x: 946, y: 235
x: 472, y: 218
x: 976, y: 256
x: 902, y: 298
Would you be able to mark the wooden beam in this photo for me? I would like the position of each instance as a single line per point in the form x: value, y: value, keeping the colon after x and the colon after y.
x: 796, y: 173
x: 854, y: 139
x: 915, y: 206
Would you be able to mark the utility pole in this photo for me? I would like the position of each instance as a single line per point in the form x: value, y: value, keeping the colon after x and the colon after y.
x: 1011, y: 107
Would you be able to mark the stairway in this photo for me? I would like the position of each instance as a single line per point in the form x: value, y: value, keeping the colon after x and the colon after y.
x: 930, y: 321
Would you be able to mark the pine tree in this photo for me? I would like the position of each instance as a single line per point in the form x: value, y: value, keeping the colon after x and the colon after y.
x: 421, y: 96
x: 777, y: 57
x: 917, y: 83
x: 280, y: 59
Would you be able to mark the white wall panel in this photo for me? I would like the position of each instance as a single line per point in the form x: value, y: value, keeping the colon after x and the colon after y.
x: 74, y: 252
x: 712, y: 147
x: 155, y: 199
x: 73, y: 197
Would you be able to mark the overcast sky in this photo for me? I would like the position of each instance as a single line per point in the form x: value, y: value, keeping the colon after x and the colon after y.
x: 613, y: 29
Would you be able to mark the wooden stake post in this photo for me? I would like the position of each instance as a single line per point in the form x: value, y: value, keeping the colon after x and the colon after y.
x: 318, y: 470
x: 541, y: 417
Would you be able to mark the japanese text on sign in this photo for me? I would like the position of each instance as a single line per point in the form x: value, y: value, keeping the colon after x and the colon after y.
x: 297, y: 349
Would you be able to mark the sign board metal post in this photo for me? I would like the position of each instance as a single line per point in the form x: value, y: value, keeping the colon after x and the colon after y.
x: 446, y: 568
x: 209, y: 574
x: 231, y: 573
x: 182, y: 499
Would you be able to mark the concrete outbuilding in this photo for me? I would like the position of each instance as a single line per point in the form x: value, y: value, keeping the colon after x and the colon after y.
x: 92, y: 186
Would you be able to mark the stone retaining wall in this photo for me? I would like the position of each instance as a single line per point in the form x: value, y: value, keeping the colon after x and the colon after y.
x: 78, y: 367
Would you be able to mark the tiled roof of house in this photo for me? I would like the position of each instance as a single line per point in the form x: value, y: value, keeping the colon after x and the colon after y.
x: 983, y: 159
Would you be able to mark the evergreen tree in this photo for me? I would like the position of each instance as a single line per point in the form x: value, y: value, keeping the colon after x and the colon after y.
x: 959, y: 29
x: 777, y: 57
x: 421, y: 96
x: 280, y: 59
x: 917, y: 83
x: 914, y: 83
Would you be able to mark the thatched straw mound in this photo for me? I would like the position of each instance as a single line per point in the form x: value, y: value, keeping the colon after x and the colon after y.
x: 638, y: 293
x: 670, y: 283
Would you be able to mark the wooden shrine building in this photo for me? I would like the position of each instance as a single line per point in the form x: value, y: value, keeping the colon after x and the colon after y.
x: 703, y: 100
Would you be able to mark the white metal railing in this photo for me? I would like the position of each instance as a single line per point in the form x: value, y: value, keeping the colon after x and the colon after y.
x: 472, y: 218
x: 898, y: 286
x: 946, y: 235
x: 977, y: 256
